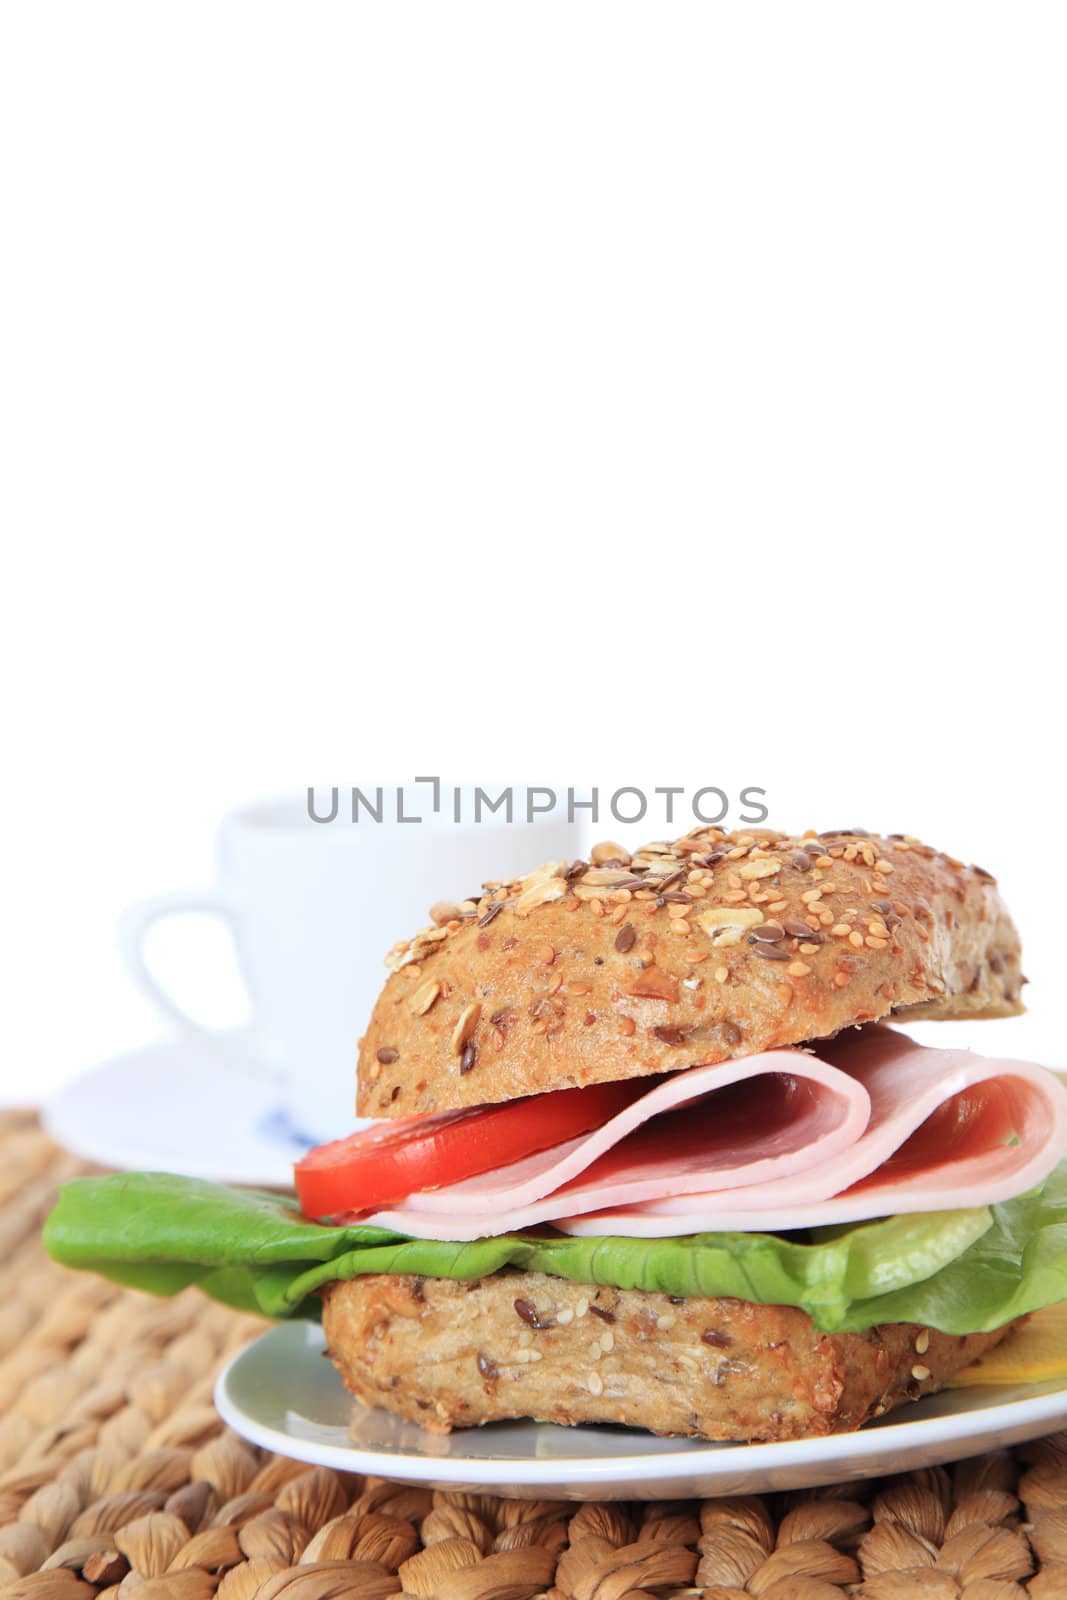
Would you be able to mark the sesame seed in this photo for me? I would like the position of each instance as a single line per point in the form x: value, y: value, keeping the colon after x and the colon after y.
x: 581, y: 1309
x: 607, y: 1341
x: 922, y: 1342
x: 920, y: 1374
x: 798, y: 969
x: 721, y: 974
x: 596, y: 1384
x: 565, y: 1317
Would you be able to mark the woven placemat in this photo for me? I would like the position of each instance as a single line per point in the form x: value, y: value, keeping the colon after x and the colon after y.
x: 117, y: 1475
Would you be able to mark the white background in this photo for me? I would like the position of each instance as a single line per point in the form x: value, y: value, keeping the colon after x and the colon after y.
x: 623, y: 393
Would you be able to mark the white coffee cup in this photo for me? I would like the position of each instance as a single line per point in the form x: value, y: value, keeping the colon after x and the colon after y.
x: 313, y: 907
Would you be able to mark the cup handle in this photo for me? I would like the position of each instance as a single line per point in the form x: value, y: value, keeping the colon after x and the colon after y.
x: 133, y: 927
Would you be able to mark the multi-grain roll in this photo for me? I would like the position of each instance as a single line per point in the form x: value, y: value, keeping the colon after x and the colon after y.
x: 447, y: 1354
x: 715, y: 946
x: 647, y: 1152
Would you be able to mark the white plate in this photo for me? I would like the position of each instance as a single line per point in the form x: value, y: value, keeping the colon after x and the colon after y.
x: 147, y: 1110
x: 280, y: 1393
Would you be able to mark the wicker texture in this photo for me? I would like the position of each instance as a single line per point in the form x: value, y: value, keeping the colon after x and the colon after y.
x: 117, y: 1476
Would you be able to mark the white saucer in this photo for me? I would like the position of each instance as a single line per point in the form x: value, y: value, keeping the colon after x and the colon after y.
x: 281, y: 1394
x: 174, y: 1107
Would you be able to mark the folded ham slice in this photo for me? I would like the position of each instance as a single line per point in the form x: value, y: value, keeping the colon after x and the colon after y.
x: 874, y: 1124
x: 758, y: 1119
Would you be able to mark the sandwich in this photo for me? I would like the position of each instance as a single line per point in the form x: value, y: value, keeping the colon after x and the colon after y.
x: 652, y: 1146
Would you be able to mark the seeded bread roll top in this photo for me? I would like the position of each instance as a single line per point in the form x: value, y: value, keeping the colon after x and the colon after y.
x: 684, y: 954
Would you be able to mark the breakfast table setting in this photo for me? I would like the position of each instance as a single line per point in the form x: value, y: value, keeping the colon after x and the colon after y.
x: 169, y: 1422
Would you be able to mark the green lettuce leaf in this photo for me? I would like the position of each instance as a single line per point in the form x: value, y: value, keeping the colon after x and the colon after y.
x: 960, y: 1271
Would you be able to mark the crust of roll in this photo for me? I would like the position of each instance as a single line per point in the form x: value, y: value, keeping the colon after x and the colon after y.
x: 449, y: 1354
x: 685, y: 954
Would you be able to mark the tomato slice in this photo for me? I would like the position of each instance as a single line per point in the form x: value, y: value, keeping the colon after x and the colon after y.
x: 378, y: 1166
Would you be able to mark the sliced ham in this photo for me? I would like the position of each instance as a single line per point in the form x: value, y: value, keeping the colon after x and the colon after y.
x: 874, y: 1125
x: 761, y: 1118
x: 948, y: 1129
